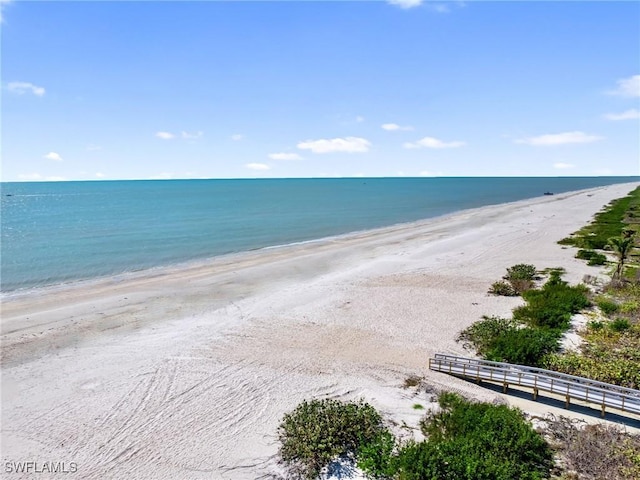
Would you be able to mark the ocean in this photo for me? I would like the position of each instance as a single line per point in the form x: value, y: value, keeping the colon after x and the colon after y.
x: 58, y: 232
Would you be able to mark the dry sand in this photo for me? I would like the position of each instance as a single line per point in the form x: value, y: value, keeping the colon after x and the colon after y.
x: 186, y: 373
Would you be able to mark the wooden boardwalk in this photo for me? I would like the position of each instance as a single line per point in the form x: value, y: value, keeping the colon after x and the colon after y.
x: 570, y: 387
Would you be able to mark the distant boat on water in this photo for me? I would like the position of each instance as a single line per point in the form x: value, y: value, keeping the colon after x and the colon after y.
x: 548, y: 193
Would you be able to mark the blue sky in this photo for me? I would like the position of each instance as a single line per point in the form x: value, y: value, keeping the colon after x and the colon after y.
x: 137, y: 90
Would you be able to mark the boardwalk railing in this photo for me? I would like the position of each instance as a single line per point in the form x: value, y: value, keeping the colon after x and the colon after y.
x: 571, y: 387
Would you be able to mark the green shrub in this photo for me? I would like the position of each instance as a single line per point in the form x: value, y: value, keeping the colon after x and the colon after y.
x: 552, y: 305
x: 594, y: 258
x: 524, y: 346
x: 475, y: 441
x: 607, y: 306
x: 502, y: 288
x: 482, y: 334
x: 377, y: 457
x: 620, y: 325
x: 319, y: 431
x: 521, y: 271
x: 502, y: 340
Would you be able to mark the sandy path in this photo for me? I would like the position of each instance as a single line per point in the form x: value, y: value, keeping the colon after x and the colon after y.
x: 186, y: 373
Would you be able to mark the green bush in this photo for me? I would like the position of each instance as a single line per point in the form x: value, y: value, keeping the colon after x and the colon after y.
x: 503, y: 340
x: 475, y: 441
x: 319, y: 431
x: 482, y: 335
x: 594, y: 258
x: 552, y: 305
x: 524, y: 346
x: 521, y: 271
x: 376, y: 458
x: 620, y: 325
x: 607, y: 306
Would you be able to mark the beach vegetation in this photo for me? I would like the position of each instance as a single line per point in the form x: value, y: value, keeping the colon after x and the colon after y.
x: 552, y: 305
x: 610, y: 352
x: 317, y: 432
x: 622, y: 247
x: 521, y: 271
x: 502, y: 288
x: 505, y: 340
x: 518, y: 279
x: 612, y: 221
x: 595, y: 451
x: 593, y: 258
x: 471, y: 440
x: 607, y: 306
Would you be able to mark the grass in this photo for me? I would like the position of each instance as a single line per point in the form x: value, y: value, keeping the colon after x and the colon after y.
x: 619, y: 215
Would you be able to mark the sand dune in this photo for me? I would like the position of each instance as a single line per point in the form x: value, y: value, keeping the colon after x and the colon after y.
x: 186, y: 372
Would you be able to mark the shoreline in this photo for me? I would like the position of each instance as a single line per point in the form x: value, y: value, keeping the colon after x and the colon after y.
x: 125, y: 275
x: 201, y: 263
x: 191, y: 370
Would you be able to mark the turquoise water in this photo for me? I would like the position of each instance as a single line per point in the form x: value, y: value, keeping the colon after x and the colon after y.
x: 64, y: 231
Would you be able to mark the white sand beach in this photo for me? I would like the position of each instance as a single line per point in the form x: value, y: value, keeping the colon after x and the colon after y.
x: 186, y: 373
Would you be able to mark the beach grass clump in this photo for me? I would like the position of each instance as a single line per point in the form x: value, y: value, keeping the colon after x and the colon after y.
x: 318, y: 432
x: 472, y: 440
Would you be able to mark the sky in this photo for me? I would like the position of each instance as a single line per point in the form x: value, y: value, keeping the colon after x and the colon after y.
x: 236, y: 89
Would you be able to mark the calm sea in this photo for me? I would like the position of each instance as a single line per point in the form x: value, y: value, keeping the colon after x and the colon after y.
x: 64, y: 231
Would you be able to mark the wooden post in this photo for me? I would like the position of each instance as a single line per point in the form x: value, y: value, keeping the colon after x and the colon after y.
x: 566, y: 401
x: 505, y: 387
x: 535, y: 393
x: 602, y: 412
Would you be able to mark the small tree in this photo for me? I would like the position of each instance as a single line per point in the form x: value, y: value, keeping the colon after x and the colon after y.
x: 622, y: 247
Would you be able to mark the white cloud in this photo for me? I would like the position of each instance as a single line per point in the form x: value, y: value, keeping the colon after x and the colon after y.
x: 394, y: 126
x: 53, y: 156
x: 258, y: 166
x: 237, y: 137
x: 348, y: 144
x: 559, y: 139
x: 562, y: 165
x: 603, y: 171
x: 429, y: 173
x: 21, y: 88
x: 165, y: 135
x: 99, y: 175
x: 359, y: 119
x: 405, y: 3
x: 430, y: 142
x: 284, y: 156
x: 191, y: 136
x: 627, y: 87
x: 92, y: 148
x: 626, y: 115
